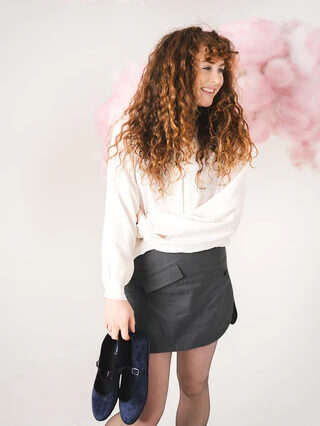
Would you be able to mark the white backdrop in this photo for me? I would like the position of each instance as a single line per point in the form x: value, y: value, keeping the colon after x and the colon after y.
x: 57, y: 57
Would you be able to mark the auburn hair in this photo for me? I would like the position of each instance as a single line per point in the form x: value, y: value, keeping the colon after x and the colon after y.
x: 163, y: 116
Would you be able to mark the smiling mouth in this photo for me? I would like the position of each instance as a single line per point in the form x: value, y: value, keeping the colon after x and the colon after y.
x: 208, y: 93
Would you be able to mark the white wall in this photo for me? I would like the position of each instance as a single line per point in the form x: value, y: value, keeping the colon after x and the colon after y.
x: 56, y: 62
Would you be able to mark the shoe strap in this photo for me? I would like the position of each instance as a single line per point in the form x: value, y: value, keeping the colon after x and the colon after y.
x: 133, y: 370
x: 112, y: 371
x: 107, y: 373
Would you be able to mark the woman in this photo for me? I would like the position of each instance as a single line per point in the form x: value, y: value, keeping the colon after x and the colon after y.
x: 164, y: 264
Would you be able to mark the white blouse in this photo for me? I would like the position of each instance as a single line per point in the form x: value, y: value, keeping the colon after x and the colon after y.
x: 187, y: 220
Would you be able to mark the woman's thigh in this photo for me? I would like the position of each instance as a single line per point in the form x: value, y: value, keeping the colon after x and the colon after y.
x: 158, y: 381
x: 193, y: 367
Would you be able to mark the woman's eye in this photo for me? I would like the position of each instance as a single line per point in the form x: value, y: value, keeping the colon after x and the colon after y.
x: 209, y: 68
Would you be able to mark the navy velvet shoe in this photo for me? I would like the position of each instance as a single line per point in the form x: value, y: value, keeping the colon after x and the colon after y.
x: 106, y: 385
x: 134, y: 380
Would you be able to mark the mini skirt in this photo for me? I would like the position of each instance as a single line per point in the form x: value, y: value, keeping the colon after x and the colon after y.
x: 181, y: 300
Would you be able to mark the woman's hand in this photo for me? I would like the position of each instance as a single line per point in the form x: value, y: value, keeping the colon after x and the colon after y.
x: 119, y: 315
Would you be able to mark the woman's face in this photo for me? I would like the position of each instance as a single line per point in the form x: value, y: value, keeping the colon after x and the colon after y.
x: 210, y: 77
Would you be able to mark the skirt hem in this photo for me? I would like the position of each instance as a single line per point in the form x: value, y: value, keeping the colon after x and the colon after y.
x: 195, y: 345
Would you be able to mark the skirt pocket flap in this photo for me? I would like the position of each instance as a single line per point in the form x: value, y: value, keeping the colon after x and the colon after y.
x: 162, y: 278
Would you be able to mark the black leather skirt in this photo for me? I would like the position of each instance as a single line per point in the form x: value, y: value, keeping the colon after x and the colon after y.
x: 182, y: 300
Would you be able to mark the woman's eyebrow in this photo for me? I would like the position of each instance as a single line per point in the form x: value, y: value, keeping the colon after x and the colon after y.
x: 208, y: 62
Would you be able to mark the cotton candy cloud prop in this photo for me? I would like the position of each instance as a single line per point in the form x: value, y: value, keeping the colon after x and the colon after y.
x: 124, y: 87
x: 279, y: 85
x: 279, y: 76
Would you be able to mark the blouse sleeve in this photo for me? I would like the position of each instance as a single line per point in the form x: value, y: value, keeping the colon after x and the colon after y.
x: 119, y: 227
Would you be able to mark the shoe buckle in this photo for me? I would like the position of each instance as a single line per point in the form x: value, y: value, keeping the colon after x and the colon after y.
x: 135, y: 371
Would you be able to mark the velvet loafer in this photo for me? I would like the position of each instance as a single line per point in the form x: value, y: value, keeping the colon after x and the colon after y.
x: 134, y: 379
x: 106, y: 385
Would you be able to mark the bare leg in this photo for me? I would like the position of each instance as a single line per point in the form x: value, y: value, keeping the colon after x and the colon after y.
x: 158, y: 381
x: 193, y: 368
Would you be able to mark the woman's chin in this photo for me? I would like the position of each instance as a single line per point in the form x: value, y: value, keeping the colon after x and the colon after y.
x: 205, y: 103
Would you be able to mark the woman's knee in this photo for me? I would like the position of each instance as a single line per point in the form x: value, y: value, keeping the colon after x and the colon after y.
x: 153, y: 408
x: 193, y: 368
x: 148, y: 418
x: 192, y: 386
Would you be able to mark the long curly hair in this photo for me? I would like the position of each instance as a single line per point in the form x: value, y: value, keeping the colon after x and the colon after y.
x: 163, y: 116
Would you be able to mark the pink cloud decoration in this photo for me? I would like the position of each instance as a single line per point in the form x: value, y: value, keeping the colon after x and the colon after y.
x: 281, y: 64
x: 123, y: 88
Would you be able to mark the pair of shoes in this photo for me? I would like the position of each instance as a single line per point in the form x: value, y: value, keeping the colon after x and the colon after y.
x: 128, y: 358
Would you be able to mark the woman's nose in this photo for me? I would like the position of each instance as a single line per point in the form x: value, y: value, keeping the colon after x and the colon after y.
x: 215, y: 80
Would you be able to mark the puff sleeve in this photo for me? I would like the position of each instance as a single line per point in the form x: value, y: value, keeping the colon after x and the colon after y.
x: 119, y: 226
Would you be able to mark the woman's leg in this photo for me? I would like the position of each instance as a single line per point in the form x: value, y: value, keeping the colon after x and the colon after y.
x: 193, y: 367
x: 158, y: 381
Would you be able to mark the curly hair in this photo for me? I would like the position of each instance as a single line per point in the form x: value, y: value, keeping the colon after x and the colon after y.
x: 163, y: 116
